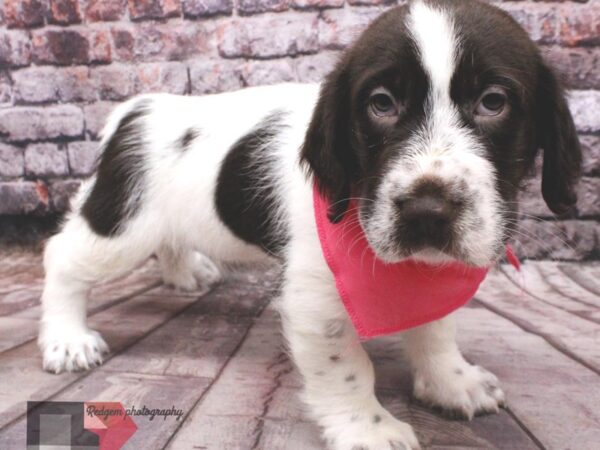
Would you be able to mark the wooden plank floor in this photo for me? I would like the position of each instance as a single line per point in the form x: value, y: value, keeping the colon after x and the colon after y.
x: 217, y: 355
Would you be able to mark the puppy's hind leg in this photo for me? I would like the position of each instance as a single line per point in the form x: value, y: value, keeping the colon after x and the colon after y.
x: 186, y: 269
x: 74, y: 260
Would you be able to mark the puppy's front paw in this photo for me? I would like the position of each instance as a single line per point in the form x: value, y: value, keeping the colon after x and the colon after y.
x: 369, y: 429
x: 459, y: 389
x: 71, y: 350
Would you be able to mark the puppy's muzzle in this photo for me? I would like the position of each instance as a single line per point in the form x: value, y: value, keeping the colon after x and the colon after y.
x: 427, y: 217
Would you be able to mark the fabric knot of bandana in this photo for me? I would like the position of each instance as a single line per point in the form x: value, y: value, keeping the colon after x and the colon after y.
x: 383, y: 298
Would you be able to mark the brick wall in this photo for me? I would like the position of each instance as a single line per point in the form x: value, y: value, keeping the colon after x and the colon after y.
x: 65, y: 63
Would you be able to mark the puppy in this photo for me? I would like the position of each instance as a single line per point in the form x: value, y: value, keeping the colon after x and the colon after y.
x: 448, y: 100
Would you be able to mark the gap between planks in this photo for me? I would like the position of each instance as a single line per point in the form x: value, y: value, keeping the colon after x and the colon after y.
x: 524, y: 427
x: 556, y: 291
x: 523, y: 325
x: 83, y: 375
x: 93, y: 311
x: 216, y: 378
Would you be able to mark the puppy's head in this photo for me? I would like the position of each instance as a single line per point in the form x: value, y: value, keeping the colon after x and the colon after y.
x: 430, y: 122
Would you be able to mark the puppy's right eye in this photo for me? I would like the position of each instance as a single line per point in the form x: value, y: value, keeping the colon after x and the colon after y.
x: 382, y: 103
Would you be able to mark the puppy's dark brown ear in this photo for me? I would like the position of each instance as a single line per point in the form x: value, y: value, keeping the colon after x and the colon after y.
x: 557, y: 136
x: 327, y: 147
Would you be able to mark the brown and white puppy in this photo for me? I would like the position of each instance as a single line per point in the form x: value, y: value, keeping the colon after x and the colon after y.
x: 429, y: 121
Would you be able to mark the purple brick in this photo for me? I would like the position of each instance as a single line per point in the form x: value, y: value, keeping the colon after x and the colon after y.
x: 371, y: 2
x: 64, y: 12
x: 11, y: 161
x: 123, y: 37
x: 105, y: 10
x: 260, y: 6
x: 83, y: 157
x: 100, y: 46
x: 40, y: 123
x: 585, y: 106
x: 531, y: 202
x: 578, y: 66
x: 256, y: 73
x: 61, y: 192
x: 35, y: 85
x: 285, y: 34
x: 6, y: 89
x: 62, y: 47
x: 590, y: 147
x: 206, y: 8
x: 579, y: 24
x: 74, y: 85
x: 208, y: 77
x: 72, y: 45
x: 569, y: 239
x: 96, y: 115
x: 43, y: 84
x: 171, y: 41
x: 15, y: 48
x: 46, y: 160
x: 588, y: 197
x: 114, y: 82
x: 317, y: 4
x: 314, y: 68
x: 340, y: 27
x: 22, y: 197
x: 154, y: 9
x: 169, y: 77
x: 539, y: 20
x: 24, y: 13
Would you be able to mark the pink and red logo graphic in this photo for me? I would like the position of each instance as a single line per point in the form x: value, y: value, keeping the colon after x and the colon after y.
x: 90, y: 425
x: 110, y: 422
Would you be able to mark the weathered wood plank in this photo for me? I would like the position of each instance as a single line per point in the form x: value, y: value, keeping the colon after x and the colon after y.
x: 199, y: 342
x: 23, y: 306
x: 121, y: 325
x: 553, y: 396
x: 586, y: 275
x: 17, y: 270
x: 394, y: 390
x: 253, y: 403
x: 547, y: 284
x: 576, y: 337
x: 195, y: 346
x: 253, y: 389
x: 131, y: 390
x: 102, y: 295
x: 16, y: 331
x: 261, y: 385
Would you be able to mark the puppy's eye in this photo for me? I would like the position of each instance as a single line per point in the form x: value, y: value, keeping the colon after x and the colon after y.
x: 382, y: 103
x: 492, y: 103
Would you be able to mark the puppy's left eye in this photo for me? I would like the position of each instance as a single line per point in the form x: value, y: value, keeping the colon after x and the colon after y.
x: 492, y: 103
x: 382, y: 103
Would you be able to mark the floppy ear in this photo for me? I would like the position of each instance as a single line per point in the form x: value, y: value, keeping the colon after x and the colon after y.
x: 557, y: 136
x: 327, y: 146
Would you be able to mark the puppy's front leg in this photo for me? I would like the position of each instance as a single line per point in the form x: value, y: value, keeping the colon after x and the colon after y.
x: 338, y: 374
x: 442, y: 377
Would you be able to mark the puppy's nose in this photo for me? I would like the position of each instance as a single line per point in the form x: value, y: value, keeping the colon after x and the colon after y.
x: 427, y: 219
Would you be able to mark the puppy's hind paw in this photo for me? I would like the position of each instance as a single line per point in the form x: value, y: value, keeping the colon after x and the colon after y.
x: 205, y: 271
x: 191, y: 272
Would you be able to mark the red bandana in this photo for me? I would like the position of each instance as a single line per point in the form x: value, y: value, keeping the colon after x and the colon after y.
x: 384, y: 298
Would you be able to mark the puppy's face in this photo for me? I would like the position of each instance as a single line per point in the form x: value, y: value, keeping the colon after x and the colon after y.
x: 430, y: 121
